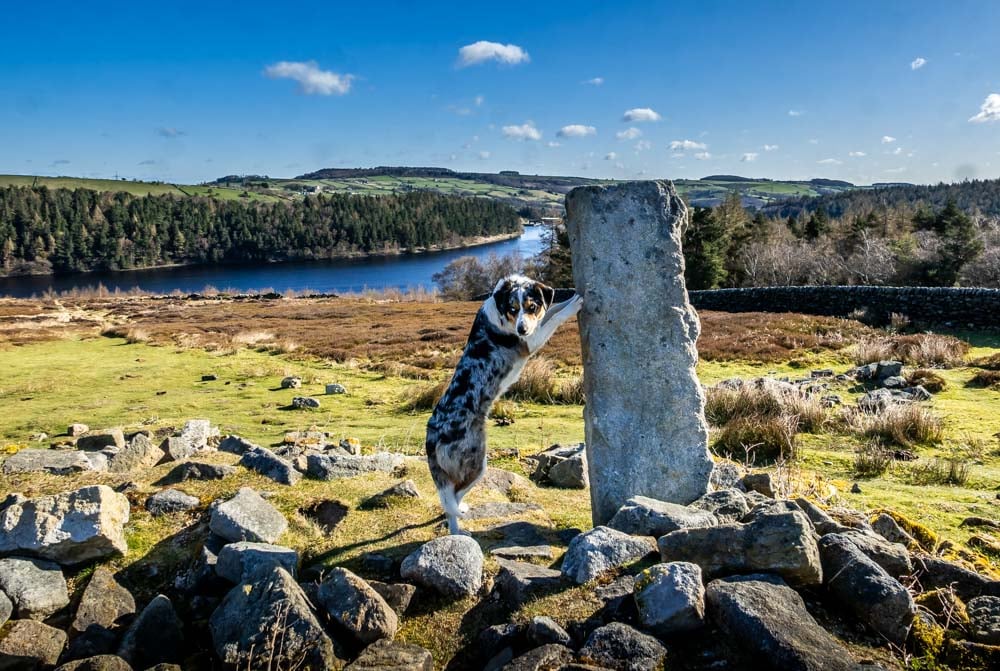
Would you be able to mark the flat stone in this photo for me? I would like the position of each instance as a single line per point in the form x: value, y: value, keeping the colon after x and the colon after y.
x: 97, y: 440
x: 193, y: 470
x: 170, y: 501
x: 670, y: 598
x: 449, y: 565
x: 727, y: 505
x: 270, y: 465
x: 984, y: 619
x: 519, y: 540
x: 385, y: 655
x: 645, y: 426
x: 599, y: 550
x: 139, y: 455
x: 356, y: 607
x: 29, y: 645
x: 76, y: 429
x: 642, y: 516
x: 551, y: 656
x: 397, y: 594
x: 248, y: 517
x: 57, y: 462
x: 781, y: 543
x: 35, y: 587
x: 519, y: 582
x: 504, y: 481
x: 619, y: 646
x: 156, y: 636
x: 764, y: 619
x: 334, y: 466
x: 407, y: 489
x: 500, y: 509
x: 236, y: 560
x: 893, y: 557
x: 235, y: 445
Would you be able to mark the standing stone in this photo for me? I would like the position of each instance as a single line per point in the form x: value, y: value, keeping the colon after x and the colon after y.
x: 645, y: 415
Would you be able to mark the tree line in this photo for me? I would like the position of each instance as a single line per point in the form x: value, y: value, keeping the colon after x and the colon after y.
x: 61, y: 230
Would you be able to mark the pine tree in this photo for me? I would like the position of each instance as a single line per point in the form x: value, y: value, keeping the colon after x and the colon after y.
x: 705, y: 243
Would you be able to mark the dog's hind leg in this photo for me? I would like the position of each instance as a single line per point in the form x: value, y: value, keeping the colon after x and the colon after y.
x: 450, y: 504
x: 466, y: 488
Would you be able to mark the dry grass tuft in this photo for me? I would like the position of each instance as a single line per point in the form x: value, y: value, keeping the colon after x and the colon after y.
x: 537, y: 383
x: 425, y: 397
x: 927, y: 379
x: 921, y: 349
x: 758, y: 440
x: 953, y: 470
x: 905, y: 425
x: 985, y: 378
x: 764, y: 401
x: 872, y: 460
x: 991, y: 362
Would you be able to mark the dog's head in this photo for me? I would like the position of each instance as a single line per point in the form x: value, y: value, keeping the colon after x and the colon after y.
x: 521, y: 303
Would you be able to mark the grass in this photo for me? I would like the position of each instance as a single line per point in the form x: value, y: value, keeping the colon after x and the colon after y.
x: 905, y: 425
x: 927, y: 350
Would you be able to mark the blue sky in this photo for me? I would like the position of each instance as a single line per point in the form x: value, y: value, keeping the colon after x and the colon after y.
x: 863, y: 91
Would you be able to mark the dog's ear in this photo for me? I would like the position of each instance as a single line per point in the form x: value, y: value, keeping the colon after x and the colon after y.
x: 548, y: 294
x: 501, y: 294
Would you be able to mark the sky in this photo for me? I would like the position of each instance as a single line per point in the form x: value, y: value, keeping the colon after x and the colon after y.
x: 188, y: 92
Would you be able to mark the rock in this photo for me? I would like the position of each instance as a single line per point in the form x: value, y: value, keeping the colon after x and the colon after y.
x: 235, y: 445
x: 139, y: 455
x: 885, y: 370
x: 544, y: 630
x: 27, y: 645
x: 98, y: 440
x: 519, y: 540
x: 569, y: 473
x: 641, y: 516
x: 6, y: 609
x: 593, y: 552
x: 350, y: 445
x: 894, y: 382
x: 291, y: 382
x: 551, y: 656
x: 620, y: 647
x: 864, y: 588
x: 519, y: 582
x: 209, y: 377
x: 450, y: 565
x: 305, y: 403
x: 726, y: 505
x: 193, y: 470
x: 855, y: 488
x: 397, y: 594
x: 781, y: 544
x: 97, y: 663
x: 170, y: 501
x: 36, y: 588
x: 501, y: 509
x: 268, y: 617
x: 545, y: 460
x: 356, y: 607
x: 645, y: 426
x: 936, y: 573
x: 270, y: 465
x: 504, y: 481
x: 388, y: 655
x: 893, y: 557
x: 306, y: 439
x: 57, y: 462
x: 194, y: 437
x: 237, y: 560
x: 104, y: 607
x: 99, y: 460
x: 69, y: 528
x: 407, y: 489
x: 769, y: 507
x: 821, y: 521
x: 156, y: 636
x: 764, y: 619
x: 76, y: 430
x: 248, y: 517
x: 761, y: 483
x: 984, y: 619
x: 727, y: 474
x: 877, y: 400
x: 335, y: 388
x: 670, y: 598
x: 333, y: 466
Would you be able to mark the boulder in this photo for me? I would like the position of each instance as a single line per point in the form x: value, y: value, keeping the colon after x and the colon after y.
x: 305, y: 403
x: 248, y: 517
x: 194, y: 470
x: 334, y: 466
x: 501, y: 509
x: 270, y: 465
x: 97, y: 663
x: 27, y: 645
x: 407, y: 489
x: 334, y: 388
x: 98, y: 440
x: 156, y: 636
x: 237, y: 560
x: 641, y: 516
x: 551, y: 656
x: 6, y: 609
x: 727, y: 474
x: 778, y: 543
x: 35, y: 587
x: 267, y: 616
x: 645, y: 426
x: 544, y: 630
x: 727, y: 505
x: 519, y: 582
x: 821, y: 521
x: 194, y: 437
x: 105, y: 606
x: 519, y: 540
x: 235, y: 445
x: 866, y: 589
x: 893, y: 557
x: 760, y: 483
x: 601, y: 549
x: 504, y: 481
x: 291, y: 382
x: 935, y: 573
x: 764, y: 619
x: 670, y: 598
x: 397, y: 594
x: 57, y: 462
x: 386, y: 655
x: 76, y: 430
x: 984, y: 619
x: 170, y: 501
x: 450, y: 565
x: 139, y: 455
x: 620, y: 647
x: 356, y: 607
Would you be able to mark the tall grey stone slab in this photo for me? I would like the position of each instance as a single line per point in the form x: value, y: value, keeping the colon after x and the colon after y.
x: 645, y: 420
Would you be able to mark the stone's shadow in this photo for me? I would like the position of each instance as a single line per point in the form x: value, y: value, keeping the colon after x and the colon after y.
x: 396, y: 551
x: 327, y: 514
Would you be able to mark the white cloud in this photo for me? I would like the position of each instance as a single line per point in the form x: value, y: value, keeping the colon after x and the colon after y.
x: 770, y: 147
x: 169, y: 131
x: 596, y: 81
x: 483, y: 155
x: 482, y: 51
x: 856, y: 154
x: 641, y: 114
x: 795, y: 112
x: 813, y: 141
x: 897, y: 151
x: 703, y: 156
x: 553, y: 143
x: 525, y: 131
x: 829, y: 161
x: 918, y: 63
x: 311, y: 79
x: 749, y: 157
x: 610, y: 156
x: 479, y: 100
x: 576, y: 130
x: 989, y: 111
x: 687, y: 145
x: 629, y: 133
x: 643, y: 145
x: 888, y: 139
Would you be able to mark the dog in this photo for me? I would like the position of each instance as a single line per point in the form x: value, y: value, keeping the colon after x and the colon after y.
x: 514, y: 323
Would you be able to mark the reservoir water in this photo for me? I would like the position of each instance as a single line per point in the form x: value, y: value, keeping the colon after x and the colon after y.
x: 334, y: 276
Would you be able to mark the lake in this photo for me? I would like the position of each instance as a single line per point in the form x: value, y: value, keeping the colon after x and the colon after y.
x: 333, y: 276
